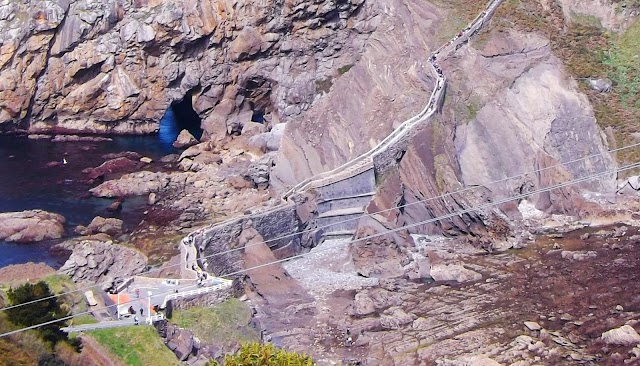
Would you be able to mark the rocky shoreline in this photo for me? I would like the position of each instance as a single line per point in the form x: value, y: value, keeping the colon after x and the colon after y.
x: 206, y: 181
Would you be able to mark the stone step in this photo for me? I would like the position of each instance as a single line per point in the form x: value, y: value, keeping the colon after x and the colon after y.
x: 367, y: 194
x: 334, y: 235
x: 357, y: 200
x: 342, y: 212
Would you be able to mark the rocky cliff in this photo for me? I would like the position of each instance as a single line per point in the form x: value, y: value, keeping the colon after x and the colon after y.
x: 511, y: 108
x: 116, y: 66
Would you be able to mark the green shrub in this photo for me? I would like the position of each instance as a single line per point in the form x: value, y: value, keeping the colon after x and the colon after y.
x: 38, y: 312
x: 257, y: 354
x: 343, y: 70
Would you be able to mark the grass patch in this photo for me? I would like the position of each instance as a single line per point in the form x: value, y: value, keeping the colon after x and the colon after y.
x: 459, y: 14
x: 344, y: 69
x: 472, y: 111
x: 224, y: 324
x: 84, y: 319
x: 136, y: 345
x: 74, y: 302
x: 624, y: 61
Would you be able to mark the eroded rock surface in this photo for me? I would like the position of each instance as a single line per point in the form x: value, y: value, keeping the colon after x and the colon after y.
x: 532, y: 307
x: 116, y: 66
x: 99, y: 260
x: 110, y: 226
x: 31, y: 226
x: 184, y: 139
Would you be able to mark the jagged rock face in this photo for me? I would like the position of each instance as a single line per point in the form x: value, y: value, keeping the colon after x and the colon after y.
x: 511, y: 109
x: 99, y: 260
x: 115, y: 66
x: 389, y: 84
x: 531, y: 116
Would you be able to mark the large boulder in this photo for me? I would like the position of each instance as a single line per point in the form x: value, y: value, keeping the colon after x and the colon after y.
x: 624, y: 336
x: 120, y: 164
x: 110, y: 226
x: 180, y: 341
x: 377, y: 255
x: 31, y: 226
x: 453, y: 272
x: 99, y: 260
x: 134, y: 184
x: 184, y: 139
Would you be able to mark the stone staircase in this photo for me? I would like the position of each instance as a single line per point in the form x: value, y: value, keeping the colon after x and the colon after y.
x: 342, y: 194
x: 341, y: 203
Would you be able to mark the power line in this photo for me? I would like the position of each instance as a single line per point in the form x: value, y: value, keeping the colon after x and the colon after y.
x: 340, y: 222
x: 386, y: 232
x: 489, y: 5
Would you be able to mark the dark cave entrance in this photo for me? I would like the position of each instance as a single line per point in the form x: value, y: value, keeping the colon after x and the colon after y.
x: 257, y: 116
x: 257, y: 92
x: 180, y: 116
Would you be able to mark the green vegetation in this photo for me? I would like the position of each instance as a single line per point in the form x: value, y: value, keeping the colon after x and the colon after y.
x: 73, y: 302
x: 23, y: 348
x: 623, y: 59
x: 84, y: 319
x: 136, y: 345
x: 257, y: 354
x: 38, y: 312
x: 472, y: 111
x: 224, y: 324
x: 459, y: 14
x: 344, y: 69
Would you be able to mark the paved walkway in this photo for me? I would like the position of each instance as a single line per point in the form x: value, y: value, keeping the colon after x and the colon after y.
x: 365, y: 161
x: 147, y: 294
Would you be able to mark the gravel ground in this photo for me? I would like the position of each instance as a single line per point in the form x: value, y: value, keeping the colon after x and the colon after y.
x: 327, y: 268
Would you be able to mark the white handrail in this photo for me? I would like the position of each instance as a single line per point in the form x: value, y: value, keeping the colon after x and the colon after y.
x: 198, y: 291
x: 365, y: 160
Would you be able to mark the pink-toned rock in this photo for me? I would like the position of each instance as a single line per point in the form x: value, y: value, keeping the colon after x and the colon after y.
x: 122, y: 164
x: 134, y: 184
x: 110, y: 226
x: 30, y: 226
x: 184, y: 139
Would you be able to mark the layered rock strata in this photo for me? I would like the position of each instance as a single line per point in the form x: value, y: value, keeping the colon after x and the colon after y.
x: 116, y: 66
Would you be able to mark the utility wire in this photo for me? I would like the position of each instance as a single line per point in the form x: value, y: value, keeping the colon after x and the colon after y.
x: 386, y: 232
x: 489, y: 5
x: 449, y: 194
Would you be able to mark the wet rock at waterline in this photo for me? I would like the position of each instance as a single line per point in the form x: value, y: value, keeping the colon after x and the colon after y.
x: 31, y: 226
x: 110, y: 226
x: 120, y: 164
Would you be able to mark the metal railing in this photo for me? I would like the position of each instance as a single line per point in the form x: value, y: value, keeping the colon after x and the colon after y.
x: 199, y: 291
x: 365, y: 160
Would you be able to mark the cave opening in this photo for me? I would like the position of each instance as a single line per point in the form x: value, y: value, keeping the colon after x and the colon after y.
x: 180, y: 116
x: 257, y: 92
x: 257, y: 116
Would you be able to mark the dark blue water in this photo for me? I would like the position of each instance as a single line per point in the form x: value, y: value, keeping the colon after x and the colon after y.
x: 27, y: 183
x: 178, y: 117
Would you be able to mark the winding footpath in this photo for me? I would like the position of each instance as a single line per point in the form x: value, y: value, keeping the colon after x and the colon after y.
x: 395, y: 141
x: 190, y: 255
